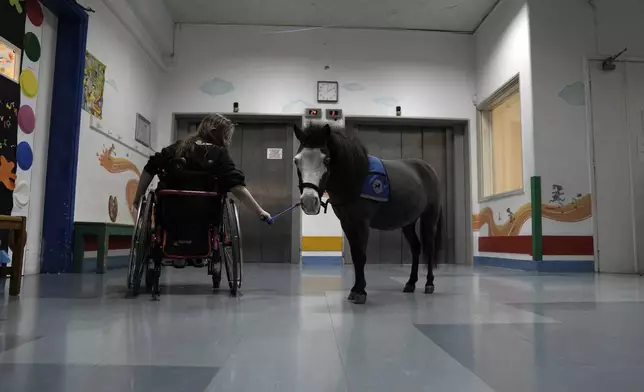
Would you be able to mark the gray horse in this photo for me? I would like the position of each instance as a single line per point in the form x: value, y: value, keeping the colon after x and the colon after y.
x: 335, y: 161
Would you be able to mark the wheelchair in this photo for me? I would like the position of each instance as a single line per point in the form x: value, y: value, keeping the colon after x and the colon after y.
x: 177, y: 222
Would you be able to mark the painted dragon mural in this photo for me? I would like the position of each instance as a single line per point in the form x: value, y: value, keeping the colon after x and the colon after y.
x: 577, y: 210
x: 113, y: 164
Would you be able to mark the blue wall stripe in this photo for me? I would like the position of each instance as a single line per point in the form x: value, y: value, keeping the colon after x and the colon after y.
x: 62, y: 159
x: 321, y: 260
x: 541, y: 266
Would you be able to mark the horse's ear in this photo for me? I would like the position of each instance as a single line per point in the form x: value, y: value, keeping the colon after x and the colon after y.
x: 299, y: 134
x: 327, y: 133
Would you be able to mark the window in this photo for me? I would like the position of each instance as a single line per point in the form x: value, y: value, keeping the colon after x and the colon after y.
x: 499, y: 142
x: 10, y: 57
x: 143, y: 131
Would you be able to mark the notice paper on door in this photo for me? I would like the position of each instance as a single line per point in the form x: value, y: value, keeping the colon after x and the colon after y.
x: 273, y: 153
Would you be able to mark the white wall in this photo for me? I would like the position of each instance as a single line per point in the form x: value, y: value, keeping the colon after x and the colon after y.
x: 564, y: 33
x: 157, y: 22
x: 266, y: 71
x: 132, y: 86
x: 275, y: 70
x: 502, y: 52
x: 619, y: 26
x: 41, y: 144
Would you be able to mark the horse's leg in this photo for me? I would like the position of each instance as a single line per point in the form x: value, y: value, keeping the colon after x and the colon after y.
x: 429, y: 228
x: 358, y: 238
x: 414, y: 245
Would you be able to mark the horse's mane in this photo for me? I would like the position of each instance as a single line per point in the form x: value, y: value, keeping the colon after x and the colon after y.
x: 349, y: 159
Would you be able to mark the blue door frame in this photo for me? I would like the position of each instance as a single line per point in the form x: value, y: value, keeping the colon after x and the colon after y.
x: 62, y: 159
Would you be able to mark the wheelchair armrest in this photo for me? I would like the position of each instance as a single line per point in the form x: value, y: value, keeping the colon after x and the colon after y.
x: 186, y: 193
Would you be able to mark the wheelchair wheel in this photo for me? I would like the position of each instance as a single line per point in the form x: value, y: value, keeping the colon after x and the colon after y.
x: 140, y: 248
x: 230, y: 249
x: 216, y: 275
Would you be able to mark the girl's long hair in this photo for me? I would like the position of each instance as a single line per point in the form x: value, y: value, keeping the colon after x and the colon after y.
x: 214, y: 129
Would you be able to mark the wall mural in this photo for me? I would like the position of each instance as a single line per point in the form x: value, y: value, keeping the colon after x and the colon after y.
x: 354, y: 86
x: 386, y: 101
x: 93, y: 86
x: 574, y: 94
x: 216, y: 86
x: 113, y: 208
x: 113, y: 164
x: 577, y: 210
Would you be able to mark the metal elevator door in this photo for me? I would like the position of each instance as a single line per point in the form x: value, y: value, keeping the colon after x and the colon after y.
x: 270, y: 183
x: 433, y: 145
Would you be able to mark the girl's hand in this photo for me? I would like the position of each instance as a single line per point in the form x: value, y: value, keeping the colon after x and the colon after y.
x: 265, y: 216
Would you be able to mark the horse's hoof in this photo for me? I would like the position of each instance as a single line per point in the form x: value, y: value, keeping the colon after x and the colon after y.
x: 409, y: 288
x: 352, y: 296
x: 360, y: 299
x: 430, y: 289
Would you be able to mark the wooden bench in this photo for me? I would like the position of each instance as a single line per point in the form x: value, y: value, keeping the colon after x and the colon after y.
x: 17, y: 226
x: 102, y: 231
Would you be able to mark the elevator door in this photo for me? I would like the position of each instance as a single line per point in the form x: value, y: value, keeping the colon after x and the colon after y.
x: 270, y: 183
x: 435, y: 146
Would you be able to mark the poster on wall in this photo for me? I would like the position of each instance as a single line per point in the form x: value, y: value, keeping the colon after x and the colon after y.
x: 9, y: 60
x: 93, y: 86
x: 9, y: 102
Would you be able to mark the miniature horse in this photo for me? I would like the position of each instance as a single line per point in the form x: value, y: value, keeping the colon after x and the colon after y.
x: 366, y: 192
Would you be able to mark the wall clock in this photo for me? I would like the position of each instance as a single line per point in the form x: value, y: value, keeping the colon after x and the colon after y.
x: 328, y: 92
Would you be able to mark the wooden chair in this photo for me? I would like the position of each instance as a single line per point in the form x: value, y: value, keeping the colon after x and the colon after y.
x: 17, y: 226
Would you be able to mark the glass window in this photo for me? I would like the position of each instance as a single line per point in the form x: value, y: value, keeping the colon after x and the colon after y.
x: 500, y: 142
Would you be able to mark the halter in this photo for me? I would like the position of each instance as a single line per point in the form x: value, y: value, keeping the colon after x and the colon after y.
x: 319, y: 189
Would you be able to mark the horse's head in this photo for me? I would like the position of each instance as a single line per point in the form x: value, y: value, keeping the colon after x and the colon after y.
x: 312, y: 162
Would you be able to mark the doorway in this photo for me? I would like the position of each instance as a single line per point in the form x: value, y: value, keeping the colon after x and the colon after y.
x: 617, y: 156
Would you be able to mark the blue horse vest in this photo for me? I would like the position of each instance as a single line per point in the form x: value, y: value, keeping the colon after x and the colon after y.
x: 376, y: 184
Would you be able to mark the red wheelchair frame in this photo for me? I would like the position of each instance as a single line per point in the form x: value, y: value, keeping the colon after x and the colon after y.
x: 148, y: 248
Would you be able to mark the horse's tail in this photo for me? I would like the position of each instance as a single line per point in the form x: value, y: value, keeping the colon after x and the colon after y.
x: 431, y: 233
x: 438, y: 239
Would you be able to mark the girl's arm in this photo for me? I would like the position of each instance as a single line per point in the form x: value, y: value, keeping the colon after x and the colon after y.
x: 144, y: 183
x: 242, y: 193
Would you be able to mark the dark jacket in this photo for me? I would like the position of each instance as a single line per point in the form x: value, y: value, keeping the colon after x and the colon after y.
x: 222, y: 166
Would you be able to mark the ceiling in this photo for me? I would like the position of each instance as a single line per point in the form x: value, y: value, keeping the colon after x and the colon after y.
x: 442, y: 15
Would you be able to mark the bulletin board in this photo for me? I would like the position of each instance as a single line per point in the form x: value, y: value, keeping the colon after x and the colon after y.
x: 12, y: 32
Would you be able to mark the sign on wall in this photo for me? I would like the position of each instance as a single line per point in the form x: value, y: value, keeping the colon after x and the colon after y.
x: 143, y: 130
x: 10, y: 57
x: 273, y: 153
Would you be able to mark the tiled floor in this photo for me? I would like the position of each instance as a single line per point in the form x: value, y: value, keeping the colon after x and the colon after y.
x: 293, y: 330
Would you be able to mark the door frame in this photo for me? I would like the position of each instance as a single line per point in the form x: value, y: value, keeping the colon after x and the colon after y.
x: 589, y: 61
x: 460, y: 128
x: 259, y: 118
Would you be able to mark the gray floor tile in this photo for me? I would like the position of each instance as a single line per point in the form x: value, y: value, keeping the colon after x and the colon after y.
x: 293, y: 329
x: 77, y: 378
x: 9, y: 342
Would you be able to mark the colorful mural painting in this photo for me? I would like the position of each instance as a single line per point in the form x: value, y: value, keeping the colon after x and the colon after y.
x: 113, y: 208
x: 93, y: 86
x: 577, y: 210
x: 113, y: 164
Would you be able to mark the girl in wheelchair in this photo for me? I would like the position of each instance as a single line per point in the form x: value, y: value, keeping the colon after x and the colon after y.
x: 206, y: 151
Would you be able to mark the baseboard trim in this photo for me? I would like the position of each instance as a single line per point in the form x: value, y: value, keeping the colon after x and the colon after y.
x: 321, y: 260
x: 113, y: 262
x: 581, y: 266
